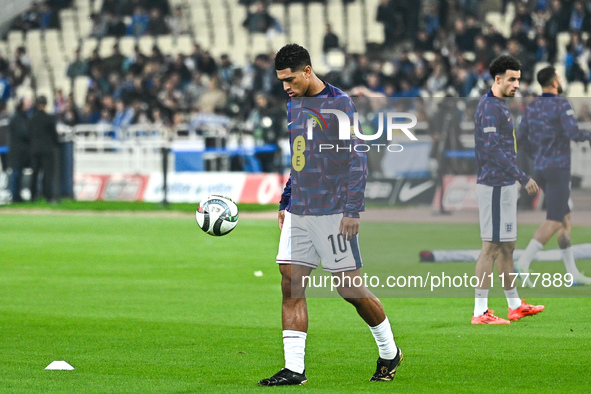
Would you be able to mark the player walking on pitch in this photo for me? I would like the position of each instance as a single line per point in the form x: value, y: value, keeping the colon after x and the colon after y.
x: 547, y: 127
x: 319, y: 219
x: 496, y: 192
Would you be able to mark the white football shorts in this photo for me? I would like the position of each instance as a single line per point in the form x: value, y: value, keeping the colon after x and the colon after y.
x: 497, y: 208
x: 308, y: 240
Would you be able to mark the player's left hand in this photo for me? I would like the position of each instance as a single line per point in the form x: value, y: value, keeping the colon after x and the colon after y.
x: 349, y: 227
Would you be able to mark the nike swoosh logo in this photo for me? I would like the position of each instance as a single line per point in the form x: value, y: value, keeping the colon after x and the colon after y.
x: 408, y: 193
x: 290, y: 123
x: 337, y: 260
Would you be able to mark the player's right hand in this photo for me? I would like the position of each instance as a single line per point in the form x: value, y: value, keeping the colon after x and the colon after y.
x: 532, y: 187
x: 281, y: 218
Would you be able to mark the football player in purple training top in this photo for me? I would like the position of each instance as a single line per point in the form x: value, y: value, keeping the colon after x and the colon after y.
x: 546, y: 130
x: 496, y: 192
x: 319, y: 218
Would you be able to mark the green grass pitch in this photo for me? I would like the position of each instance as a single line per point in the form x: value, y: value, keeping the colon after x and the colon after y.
x: 144, y: 304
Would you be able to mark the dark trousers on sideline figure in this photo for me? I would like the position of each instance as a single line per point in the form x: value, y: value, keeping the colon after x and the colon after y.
x: 45, y: 163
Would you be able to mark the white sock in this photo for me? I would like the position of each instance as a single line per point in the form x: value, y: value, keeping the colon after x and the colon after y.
x: 529, y: 254
x: 385, y: 340
x: 480, y: 301
x: 294, y: 347
x: 513, y: 299
x: 569, y: 262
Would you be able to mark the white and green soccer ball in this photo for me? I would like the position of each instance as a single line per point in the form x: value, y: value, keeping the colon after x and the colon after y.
x: 217, y: 215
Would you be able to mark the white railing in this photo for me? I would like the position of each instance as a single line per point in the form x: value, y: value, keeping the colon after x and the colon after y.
x: 104, y: 149
x: 137, y: 149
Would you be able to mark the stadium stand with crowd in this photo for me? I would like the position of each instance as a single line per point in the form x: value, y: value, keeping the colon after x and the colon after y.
x: 179, y: 68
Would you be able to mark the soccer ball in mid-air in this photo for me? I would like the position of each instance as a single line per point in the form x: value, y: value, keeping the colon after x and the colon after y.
x: 217, y: 215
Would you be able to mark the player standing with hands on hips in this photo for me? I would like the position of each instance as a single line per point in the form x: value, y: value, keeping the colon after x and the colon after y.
x: 496, y: 191
x: 545, y: 133
x: 319, y: 218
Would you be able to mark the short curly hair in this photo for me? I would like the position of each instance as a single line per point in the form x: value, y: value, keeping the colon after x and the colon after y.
x: 546, y: 76
x: 292, y: 56
x: 503, y: 63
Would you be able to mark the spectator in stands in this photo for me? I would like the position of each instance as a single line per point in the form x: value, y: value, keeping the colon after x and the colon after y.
x: 437, y: 81
x: 19, y: 154
x: 358, y: 71
x: 20, y: 68
x: 95, y: 61
x: 260, y: 75
x: 57, y: 5
x: 4, y: 64
x: 463, y: 39
x: 30, y: 19
x: 574, y: 61
x: 156, y: 24
x: 207, y: 64
x: 482, y: 51
x: 47, y: 18
x: 525, y: 57
x: 523, y: 16
x: 161, y: 5
x: 579, y: 17
x: 90, y: 114
x: 542, y: 50
x: 115, y: 25
x: 106, y: 118
x: 111, y: 7
x: 157, y: 57
x: 177, y: 23
x: 5, y: 88
x: 98, y: 84
x: 78, y: 67
x: 99, y: 27
x: 330, y: 40
x: 159, y: 119
x: 135, y: 63
x: 108, y: 104
x: 226, y: 70
x: 431, y: 19
x: 171, y: 97
x: 266, y: 124
x: 557, y: 23
x: 259, y: 21
x: 374, y: 83
x: 180, y: 68
x: 114, y: 62
x: 123, y: 118
x: 195, y: 89
x: 59, y: 102
x: 69, y: 116
x: 195, y: 57
x: 45, y: 153
x: 215, y: 99
x: 4, y: 135
x: 493, y: 36
x: 386, y: 14
x: 139, y: 22
x: 137, y: 91
x: 423, y: 41
x: 238, y: 96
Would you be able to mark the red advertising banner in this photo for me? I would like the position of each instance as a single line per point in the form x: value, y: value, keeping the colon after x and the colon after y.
x: 263, y: 188
x: 93, y: 187
x: 459, y: 193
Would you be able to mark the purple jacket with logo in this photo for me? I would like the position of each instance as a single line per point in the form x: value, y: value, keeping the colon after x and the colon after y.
x: 547, y: 127
x: 495, y: 144
x: 323, y: 180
